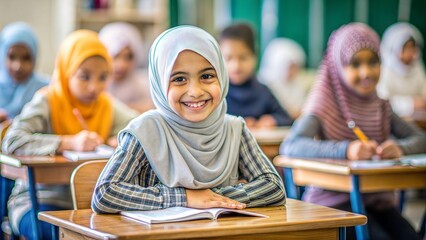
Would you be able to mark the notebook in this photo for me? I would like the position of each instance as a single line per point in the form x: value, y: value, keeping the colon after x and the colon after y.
x: 101, y: 152
x: 415, y: 160
x: 178, y: 214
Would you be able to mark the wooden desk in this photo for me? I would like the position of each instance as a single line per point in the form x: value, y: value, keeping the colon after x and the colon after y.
x: 35, y: 169
x: 338, y: 175
x: 270, y: 140
x: 298, y: 220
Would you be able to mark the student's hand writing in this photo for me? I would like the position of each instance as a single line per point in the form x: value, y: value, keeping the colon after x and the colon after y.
x: 358, y: 150
x: 266, y: 121
x: 112, y: 141
x: 419, y: 104
x: 388, y: 149
x: 250, y: 122
x: 82, y: 141
x: 206, y: 198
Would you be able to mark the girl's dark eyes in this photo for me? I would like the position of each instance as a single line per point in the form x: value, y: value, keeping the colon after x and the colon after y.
x: 206, y: 76
x: 179, y: 79
x: 84, y: 77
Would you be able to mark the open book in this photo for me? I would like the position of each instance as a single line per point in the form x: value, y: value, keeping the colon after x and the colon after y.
x: 417, y: 160
x: 178, y: 214
x: 101, y: 152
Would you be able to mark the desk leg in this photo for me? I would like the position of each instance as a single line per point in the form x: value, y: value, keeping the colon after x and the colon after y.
x: 6, y: 186
x: 342, y: 233
x: 33, y: 198
x: 55, y: 232
x: 358, y: 207
x: 401, y: 200
x: 289, y: 184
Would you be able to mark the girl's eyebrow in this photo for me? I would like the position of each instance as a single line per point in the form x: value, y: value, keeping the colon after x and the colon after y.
x: 185, y: 73
x: 206, y: 69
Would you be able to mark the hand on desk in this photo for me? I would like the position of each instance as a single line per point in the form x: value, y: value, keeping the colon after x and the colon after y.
x: 206, y: 198
x: 82, y: 141
x: 266, y: 121
x: 363, y: 150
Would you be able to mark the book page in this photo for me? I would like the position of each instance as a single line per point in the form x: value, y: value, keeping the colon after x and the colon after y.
x: 216, y: 212
x: 172, y: 214
x: 101, y: 152
x: 176, y: 214
x: 373, y: 163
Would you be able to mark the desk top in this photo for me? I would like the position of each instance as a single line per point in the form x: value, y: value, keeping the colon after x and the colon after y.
x: 273, y: 136
x: 340, y: 166
x: 47, y: 169
x: 296, y: 216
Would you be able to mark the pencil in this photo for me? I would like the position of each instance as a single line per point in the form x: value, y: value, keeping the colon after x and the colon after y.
x: 358, y: 132
x: 80, y: 118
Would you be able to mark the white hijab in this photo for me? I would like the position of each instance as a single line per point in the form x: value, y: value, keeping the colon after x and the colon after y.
x: 392, y: 45
x: 183, y: 153
x: 279, y: 55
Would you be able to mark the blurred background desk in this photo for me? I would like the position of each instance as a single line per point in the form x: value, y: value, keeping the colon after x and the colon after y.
x: 270, y: 139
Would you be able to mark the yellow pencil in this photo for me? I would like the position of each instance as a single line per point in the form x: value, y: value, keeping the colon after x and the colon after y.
x: 358, y: 132
x: 80, y: 118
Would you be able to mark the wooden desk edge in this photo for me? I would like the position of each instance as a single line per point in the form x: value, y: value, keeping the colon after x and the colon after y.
x: 282, y: 161
x: 75, y: 227
x: 4, y: 159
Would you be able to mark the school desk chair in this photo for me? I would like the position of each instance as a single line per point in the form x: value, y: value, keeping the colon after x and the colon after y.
x: 83, y: 181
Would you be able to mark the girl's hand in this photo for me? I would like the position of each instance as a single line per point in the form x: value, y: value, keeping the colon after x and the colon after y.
x: 358, y: 150
x: 266, y: 121
x: 3, y: 115
x: 206, y: 198
x: 112, y: 141
x: 82, y: 141
x: 388, y: 149
x: 250, y: 122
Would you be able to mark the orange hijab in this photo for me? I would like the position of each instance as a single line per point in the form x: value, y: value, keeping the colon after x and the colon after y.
x: 75, y: 49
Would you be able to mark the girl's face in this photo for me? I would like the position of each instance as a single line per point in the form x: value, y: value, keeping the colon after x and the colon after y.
x: 194, y: 89
x: 123, y: 64
x: 363, y: 72
x: 240, y: 60
x: 89, y: 80
x: 19, y: 62
x: 409, y: 52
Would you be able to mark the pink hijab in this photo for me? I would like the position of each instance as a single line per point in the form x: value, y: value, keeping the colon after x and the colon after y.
x: 334, y: 102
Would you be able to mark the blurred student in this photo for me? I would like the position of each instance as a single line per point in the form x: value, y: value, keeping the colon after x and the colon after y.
x: 343, y: 97
x: 282, y: 70
x: 73, y: 113
x: 188, y: 152
x: 403, y: 78
x: 129, y: 80
x: 247, y: 97
x: 18, y: 81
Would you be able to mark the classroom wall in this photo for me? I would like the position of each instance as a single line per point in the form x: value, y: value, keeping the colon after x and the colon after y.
x: 310, y: 22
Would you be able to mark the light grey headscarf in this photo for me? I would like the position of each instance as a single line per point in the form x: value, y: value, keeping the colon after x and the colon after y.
x: 182, y: 153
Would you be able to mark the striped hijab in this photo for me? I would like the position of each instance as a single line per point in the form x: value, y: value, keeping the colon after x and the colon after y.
x: 334, y: 102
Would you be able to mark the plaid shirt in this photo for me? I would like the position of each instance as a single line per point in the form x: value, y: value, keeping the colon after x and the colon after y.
x: 129, y: 183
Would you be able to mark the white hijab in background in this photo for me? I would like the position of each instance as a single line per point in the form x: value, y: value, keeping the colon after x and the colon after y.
x: 182, y: 153
x: 134, y: 90
x: 279, y: 56
x: 399, y: 82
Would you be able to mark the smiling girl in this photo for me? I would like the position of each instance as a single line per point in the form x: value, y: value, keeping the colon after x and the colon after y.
x: 187, y: 152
